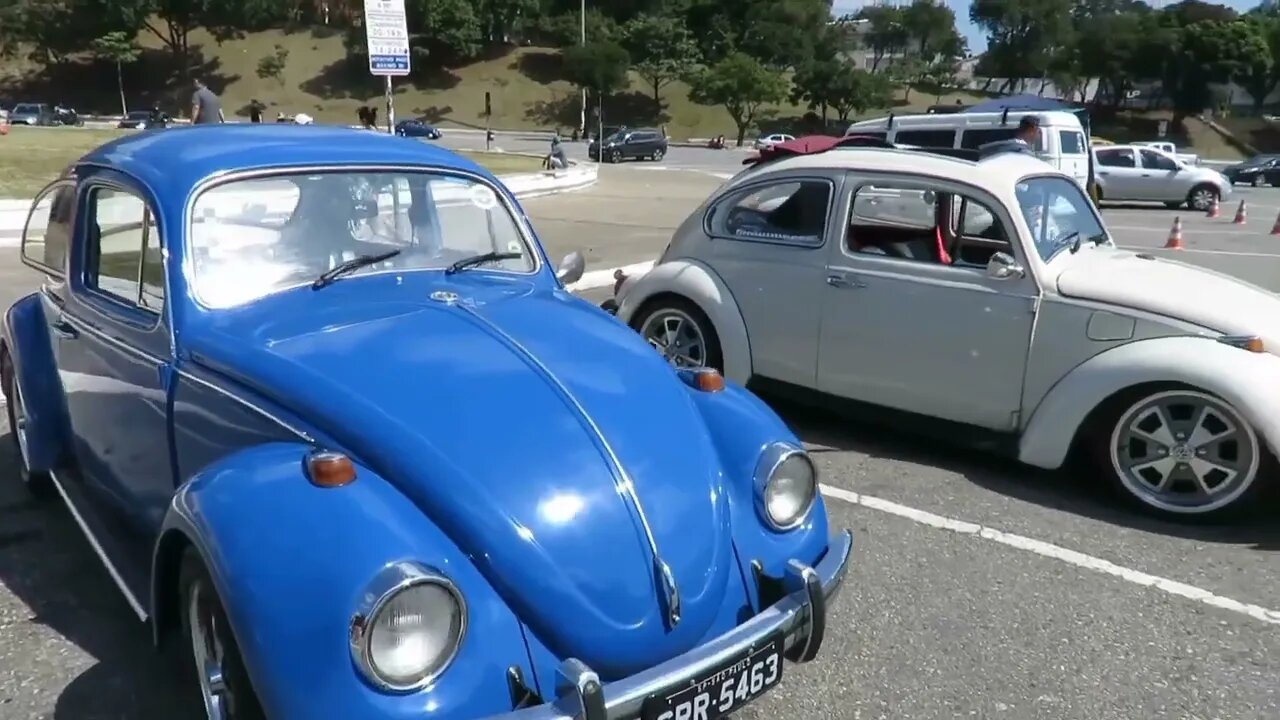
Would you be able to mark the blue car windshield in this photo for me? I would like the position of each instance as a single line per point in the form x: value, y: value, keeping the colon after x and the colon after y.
x: 249, y: 238
x: 1057, y: 212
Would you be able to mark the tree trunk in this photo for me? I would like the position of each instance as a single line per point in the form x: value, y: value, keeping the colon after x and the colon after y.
x: 742, y: 132
x: 124, y: 107
x: 657, y: 98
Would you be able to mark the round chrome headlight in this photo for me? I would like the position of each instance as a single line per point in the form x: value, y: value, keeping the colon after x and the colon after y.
x: 786, y: 486
x: 409, y: 627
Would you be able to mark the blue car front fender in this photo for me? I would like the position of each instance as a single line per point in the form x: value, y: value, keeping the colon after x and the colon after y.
x: 291, y: 561
x: 25, y: 337
x: 742, y: 426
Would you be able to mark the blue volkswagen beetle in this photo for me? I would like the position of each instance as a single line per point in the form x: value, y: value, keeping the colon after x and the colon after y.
x: 340, y: 434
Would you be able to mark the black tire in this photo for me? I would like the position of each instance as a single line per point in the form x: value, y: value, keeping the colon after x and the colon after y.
x: 241, y: 702
x: 1202, y: 196
x: 38, y: 484
x: 1107, y: 427
x: 713, y: 356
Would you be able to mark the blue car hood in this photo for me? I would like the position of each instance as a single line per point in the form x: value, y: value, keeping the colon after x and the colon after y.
x: 516, y: 420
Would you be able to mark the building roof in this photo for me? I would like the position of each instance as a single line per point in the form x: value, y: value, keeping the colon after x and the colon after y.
x: 179, y: 158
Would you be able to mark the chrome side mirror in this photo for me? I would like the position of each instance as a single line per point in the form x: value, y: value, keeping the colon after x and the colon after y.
x: 571, y: 268
x: 1002, y: 266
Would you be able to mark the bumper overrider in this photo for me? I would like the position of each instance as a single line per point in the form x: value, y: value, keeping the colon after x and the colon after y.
x: 796, y: 618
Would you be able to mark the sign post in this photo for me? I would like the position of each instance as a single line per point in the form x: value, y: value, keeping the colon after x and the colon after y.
x: 387, y: 38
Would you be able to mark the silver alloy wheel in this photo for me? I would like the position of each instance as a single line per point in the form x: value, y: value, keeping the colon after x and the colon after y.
x: 657, y: 154
x: 19, y: 431
x: 207, y: 651
x: 677, y: 337
x: 1184, y: 452
x: 1202, y: 198
x: 1257, y: 181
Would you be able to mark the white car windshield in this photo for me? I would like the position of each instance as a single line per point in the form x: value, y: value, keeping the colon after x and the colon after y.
x: 250, y: 238
x: 1058, y: 214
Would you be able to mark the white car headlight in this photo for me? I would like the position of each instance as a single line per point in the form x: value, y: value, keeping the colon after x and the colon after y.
x: 408, y: 628
x: 786, y: 486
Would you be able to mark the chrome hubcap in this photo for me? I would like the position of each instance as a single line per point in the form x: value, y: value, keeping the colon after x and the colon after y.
x: 1202, y: 199
x: 1184, y: 452
x: 207, y: 651
x: 677, y: 338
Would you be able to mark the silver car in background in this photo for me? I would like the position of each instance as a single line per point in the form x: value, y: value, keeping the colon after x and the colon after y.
x: 1136, y: 173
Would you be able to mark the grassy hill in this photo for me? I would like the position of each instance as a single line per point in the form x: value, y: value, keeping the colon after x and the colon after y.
x: 526, y: 86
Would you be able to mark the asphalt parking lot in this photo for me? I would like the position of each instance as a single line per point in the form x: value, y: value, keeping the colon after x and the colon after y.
x: 980, y: 589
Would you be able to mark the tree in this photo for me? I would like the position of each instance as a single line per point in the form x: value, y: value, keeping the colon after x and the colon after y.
x: 272, y: 66
x: 886, y: 33
x: 932, y: 28
x: 1022, y: 35
x: 1262, y: 73
x: 856, y: 90
x: 600, y: 67
x: 742, y: 85
x: 941, y: 74
x: 117, y: 47
x: 662, y: 50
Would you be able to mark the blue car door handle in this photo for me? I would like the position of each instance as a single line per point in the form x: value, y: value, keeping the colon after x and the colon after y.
x: 841, y: 280
x: 64, y: 328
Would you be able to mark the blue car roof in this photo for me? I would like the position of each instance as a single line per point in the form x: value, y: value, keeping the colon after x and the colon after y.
x: 180, y: 158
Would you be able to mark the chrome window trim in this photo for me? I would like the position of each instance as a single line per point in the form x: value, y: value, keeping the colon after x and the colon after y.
x: 735, y: 195
x: 770, y: 460
x: 523, y: 228
x: 390, y: 581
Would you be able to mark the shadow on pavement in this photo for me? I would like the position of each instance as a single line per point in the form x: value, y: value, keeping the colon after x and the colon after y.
x: 1069, y: 490
x: 46, y: 562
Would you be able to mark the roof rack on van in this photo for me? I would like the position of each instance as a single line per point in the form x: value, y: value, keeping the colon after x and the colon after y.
x: 816, y: 144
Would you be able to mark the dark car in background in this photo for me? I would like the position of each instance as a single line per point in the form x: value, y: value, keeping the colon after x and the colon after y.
x: 1256, y: 171
x: 417, y: 128
x: 31, y: 114
x: 630, y: 144
x: 135, y: 120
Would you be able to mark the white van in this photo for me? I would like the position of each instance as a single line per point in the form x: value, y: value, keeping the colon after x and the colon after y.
x: 1061, y: 144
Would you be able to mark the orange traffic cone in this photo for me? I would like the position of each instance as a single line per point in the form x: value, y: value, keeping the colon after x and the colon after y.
x: 1214, y: 211
x: 1275, y: 229
x: 1241, y: 215
x: 1175, y: 236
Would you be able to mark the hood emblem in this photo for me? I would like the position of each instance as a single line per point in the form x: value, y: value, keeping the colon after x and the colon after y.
x: 444, y: 296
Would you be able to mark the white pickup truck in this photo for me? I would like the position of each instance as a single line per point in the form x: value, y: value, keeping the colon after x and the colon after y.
x: 1188, y: 158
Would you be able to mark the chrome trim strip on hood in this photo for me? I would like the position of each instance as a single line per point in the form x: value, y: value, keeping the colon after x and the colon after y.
x: 661, y: 570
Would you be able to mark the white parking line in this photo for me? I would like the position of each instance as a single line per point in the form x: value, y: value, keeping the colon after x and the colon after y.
x: 1236, y: 253
x: 1056, y: 552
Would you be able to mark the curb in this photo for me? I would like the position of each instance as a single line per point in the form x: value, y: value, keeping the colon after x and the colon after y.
x: 13, y: 212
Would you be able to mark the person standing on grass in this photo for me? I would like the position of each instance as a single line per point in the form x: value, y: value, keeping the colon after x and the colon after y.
x: 206, y: 108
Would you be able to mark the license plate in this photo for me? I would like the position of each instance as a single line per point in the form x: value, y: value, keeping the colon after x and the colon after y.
x: 722, y: 691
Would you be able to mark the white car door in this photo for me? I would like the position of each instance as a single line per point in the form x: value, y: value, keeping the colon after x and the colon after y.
x: 767, y: 244
x: 903, y: 329
x: 1121, y: 177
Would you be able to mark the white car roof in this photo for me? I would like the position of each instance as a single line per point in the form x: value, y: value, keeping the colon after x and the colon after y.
x: 948, y: 121
x: 997, y: 175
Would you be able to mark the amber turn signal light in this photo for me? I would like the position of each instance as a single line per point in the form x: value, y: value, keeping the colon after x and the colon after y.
x: 704, y: 379
x: 1252, y: 343
x: 328, y: 469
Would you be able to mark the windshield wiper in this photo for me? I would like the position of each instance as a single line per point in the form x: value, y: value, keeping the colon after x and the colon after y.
x: 349, y: 266
x: 481, y: 259
x: 1076, y: 237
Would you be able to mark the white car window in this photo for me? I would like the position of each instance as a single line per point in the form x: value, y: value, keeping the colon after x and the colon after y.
x: 793, y: 212
x: 902, y: 207
x: 1057, y: 212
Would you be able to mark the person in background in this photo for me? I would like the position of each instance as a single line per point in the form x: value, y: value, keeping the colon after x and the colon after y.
x: 206, y: 108
x: 255, y: 111
x: 157, y: 119
x: 1024, y: 140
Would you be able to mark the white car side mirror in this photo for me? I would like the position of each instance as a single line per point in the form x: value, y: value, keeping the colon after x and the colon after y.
x: 1002, y: 266
x: 571, y: 268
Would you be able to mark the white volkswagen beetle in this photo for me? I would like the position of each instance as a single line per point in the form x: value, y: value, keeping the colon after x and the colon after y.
x: 986, y: 294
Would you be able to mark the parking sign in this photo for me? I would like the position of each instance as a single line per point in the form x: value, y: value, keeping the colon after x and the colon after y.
x: 387, y: 36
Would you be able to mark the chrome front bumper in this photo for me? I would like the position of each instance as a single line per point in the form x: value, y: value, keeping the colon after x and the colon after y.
x: 800, y: 616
